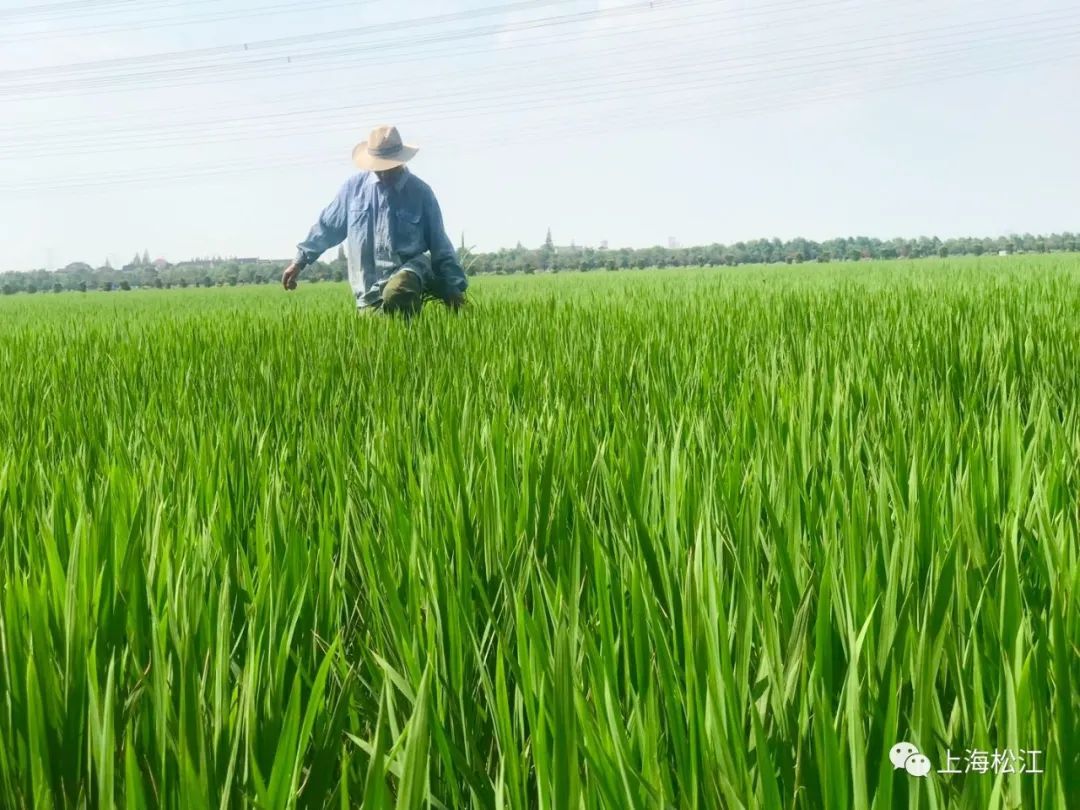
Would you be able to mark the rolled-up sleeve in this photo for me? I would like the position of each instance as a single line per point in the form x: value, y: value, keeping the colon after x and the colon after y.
x: 330, y: 230
x: 444, y: 258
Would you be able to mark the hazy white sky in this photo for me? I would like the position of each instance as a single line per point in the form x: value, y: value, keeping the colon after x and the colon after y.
x: 603, y: 119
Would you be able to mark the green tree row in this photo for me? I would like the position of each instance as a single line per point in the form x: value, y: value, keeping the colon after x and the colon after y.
x: 80, y: 276
x: 84, y: 278
x: 759, y: 251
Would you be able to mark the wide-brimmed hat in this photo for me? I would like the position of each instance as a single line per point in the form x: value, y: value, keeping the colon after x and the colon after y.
x: 383, y: 150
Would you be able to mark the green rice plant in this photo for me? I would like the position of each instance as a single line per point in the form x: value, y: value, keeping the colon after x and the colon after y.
x: 693, y: 538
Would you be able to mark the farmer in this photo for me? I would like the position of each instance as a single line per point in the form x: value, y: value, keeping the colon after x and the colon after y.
x: 398, y: 250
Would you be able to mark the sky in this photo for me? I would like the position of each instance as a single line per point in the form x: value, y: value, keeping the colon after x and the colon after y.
x: 222, y: 127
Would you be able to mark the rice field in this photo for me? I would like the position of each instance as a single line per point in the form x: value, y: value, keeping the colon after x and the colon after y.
x: 683, y: 538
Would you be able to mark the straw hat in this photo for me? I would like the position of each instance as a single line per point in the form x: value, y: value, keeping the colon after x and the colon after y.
x: 383, y: 150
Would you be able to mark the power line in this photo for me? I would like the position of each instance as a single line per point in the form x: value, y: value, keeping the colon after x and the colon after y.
x: 238, y: 115
x: 263, y: 67
x: 663, y: 73
x: 173, y: 22
x: 268, y: 66
x: 395, y: 87
x: 219, y: 72
x: 301, y: 39
x: 68, y: 7
x: 676, y: 115
x: 649, y: 27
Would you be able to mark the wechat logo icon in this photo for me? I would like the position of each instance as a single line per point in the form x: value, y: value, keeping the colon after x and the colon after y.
x: 905, y: 755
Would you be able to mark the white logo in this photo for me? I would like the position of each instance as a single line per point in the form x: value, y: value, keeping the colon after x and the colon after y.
x: 905, y: 755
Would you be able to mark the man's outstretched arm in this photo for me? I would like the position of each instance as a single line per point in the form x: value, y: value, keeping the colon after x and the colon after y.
x: 329, y: 231
x: 444, y: 259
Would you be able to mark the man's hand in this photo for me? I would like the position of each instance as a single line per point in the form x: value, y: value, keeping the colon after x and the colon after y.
x: 288, y: 278
x: 455, y: 300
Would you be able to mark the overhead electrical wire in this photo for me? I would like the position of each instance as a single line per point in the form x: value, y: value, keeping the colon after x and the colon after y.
x: 660, y: 72
x: 239, y: 114
x: 679, y: 112
x: 687, y: 92
x: 67, y: 8
x: 301, y: 39
x: 259, y: 68
x: 175, y: 22
x: 470, y: 72
x: 237, y: 108
x: 293, y: 162
x: 266, y: 67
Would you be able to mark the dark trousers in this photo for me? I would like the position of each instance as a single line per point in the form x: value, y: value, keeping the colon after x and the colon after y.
x: 406, y: 289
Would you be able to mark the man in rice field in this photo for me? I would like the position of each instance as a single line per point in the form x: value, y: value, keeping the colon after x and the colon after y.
x: 397, y: 248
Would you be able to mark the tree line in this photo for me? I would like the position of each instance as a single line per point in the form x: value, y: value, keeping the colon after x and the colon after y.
x: 142, y: 273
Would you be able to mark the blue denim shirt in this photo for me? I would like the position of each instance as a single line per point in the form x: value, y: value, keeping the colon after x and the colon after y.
x: 383, y: 228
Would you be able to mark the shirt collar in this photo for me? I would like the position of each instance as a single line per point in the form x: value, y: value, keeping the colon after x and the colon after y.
x: 399, y: 184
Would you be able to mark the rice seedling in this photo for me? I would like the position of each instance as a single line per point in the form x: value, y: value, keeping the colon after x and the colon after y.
x: 694, y: 539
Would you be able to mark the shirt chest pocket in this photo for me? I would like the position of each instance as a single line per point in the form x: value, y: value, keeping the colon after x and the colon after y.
x: 409, y: 231
x: 359, y: 217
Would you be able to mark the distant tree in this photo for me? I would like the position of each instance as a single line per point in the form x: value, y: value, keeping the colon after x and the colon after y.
x: 124, y: 285
x: 145, y: 258
x: 547, y: 253
x: 943, y: 251
x: 207, y: 281
x: 158, y: 283
x: 339, y: 276
x: 182, y: 282
x: 57, y: 287
x: 31, y: 287
x: 341, y: 263
x: 8, y: 289
x: 107, y: 286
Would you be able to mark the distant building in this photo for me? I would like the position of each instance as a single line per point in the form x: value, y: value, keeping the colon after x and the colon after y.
x: 603, y: 244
